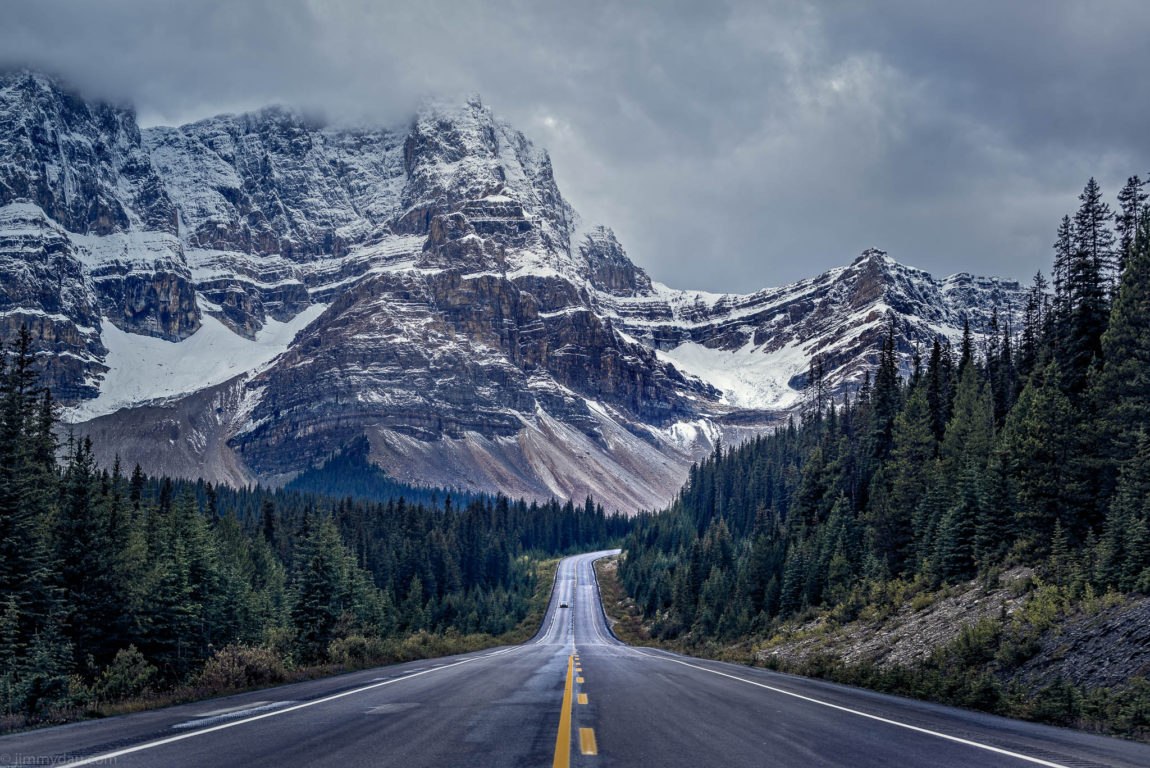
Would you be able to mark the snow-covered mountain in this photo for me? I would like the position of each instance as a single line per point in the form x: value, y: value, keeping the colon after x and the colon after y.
x: 241, y: 297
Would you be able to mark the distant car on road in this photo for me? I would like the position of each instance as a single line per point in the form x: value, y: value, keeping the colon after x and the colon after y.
x: 563, y: 605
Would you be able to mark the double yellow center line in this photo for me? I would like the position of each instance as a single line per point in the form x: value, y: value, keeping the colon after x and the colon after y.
x: 587, y: 745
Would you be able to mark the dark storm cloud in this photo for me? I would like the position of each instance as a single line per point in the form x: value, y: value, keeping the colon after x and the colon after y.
x: 731, y: 145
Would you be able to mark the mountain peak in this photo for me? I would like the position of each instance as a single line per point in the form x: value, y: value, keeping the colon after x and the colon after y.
x: 424, y: 286
x: 35, y: 81
x: 873, y: 255
x: 609, y: 267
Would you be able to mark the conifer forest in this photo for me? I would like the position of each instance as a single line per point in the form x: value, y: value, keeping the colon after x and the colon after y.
x: 1030, y: 450
x: 116, y: 585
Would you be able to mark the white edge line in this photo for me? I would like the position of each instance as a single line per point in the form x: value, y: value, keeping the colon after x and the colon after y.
x: 105, y: 757
x: 957, y: 739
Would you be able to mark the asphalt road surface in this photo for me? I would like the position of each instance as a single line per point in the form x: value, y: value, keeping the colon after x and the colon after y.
x: 573, y: 695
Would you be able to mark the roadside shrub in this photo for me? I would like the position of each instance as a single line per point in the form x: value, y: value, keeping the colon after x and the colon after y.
x: 359, y: 651
x: 237, y: 667
x: 129, y: 674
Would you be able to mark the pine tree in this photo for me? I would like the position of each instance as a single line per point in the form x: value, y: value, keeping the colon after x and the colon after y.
x: 994, y: 526
x: 885, y: 400
x: 970, y: 431
x: 28, y: 485
x: 816, y: 389
x: 955, y: 542
x: 966, y: 356
x: 203, y: 575
x: 927, y: 517
x: 911, y: 459
x: 44, y: 673
x: 793, y: 581
x: 1125, y: 545
x: 318, y: 584
x: 1131, y: 208
x: 1034, y: 320
x: 1063, y: 254
x: 1037, y: 446
x: 1121, y: 391
x: 88, y: 552
x: 1092, y: 234
x: 164, y: 613
x: 1060, y: 561
x: 1087, y: 286
x: 1004, y: 384
x: 939, y: 386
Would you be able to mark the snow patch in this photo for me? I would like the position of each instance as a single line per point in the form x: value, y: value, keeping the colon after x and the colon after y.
x: 747, y: 377
x: 687, y: 435
x: 141, y: 250
x: 143, y: 368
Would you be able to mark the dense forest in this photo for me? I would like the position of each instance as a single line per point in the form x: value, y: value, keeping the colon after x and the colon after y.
x: 1029, y: 449
x: 115, y: 584
x: 350, y: 473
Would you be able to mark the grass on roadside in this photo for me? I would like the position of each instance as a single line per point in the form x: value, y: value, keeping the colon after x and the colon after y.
x: 623, y: 614
x: 241, y: 668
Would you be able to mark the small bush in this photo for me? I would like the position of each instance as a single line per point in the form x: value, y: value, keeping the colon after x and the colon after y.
x: 129, y: 674
x: 922, y: 601
x: 238, y: 667
x: 359, y: 651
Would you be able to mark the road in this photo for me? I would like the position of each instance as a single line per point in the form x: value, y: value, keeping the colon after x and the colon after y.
x: 573, y: 695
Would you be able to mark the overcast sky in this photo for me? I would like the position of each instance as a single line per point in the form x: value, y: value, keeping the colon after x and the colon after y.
x: 731, y: 145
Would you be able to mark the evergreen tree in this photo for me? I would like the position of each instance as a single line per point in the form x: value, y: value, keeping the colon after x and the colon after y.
x: 970, y: 432
x: 1121, y: 391
x: 1124, y: 558
x: 911, y: 460
x: 955, y: 541
x: 939, y: 387
x: 1131, y: 209
x: 1034, y: 320
x: 1087, y: 283
x: 966, y: 356
x: 1093, y: 237
x: 28, y: 486
x: 885, y: 400
x: 928, y: 514
x: 1038, y: 444
x: 318, y: 584
x: 88, y: 548
x: 1064, y: 245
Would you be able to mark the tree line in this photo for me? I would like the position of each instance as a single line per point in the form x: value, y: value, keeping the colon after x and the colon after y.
x: 1030, y: 448
x: 113, y: 582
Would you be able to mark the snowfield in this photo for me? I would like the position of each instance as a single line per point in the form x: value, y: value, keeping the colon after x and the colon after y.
x: 143, y: 369
x: 749, y: 377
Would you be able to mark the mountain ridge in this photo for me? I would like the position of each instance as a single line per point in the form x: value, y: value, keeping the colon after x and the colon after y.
x: 458, y: 313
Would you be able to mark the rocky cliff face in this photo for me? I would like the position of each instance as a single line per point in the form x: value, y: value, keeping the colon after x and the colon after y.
x: 758, y: 347
x: 46, y: 289
x: 87, y: 231
x: 448, y: 306
x: 82, y: 163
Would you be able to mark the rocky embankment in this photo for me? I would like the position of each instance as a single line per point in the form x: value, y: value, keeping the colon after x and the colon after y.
x: 1092, y: 643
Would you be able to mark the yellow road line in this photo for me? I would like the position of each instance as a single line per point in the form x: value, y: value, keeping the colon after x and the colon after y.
x: 562, y: 757
x: 587, y: 743
x: 579, y: 680
x: 582, y: 698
